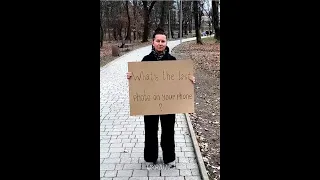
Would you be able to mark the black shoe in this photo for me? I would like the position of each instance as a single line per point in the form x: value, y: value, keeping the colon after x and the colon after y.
x: 171, y: 164
x: 150, y: 165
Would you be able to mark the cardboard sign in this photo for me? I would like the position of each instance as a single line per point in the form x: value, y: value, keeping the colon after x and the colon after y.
x: 161, y: 87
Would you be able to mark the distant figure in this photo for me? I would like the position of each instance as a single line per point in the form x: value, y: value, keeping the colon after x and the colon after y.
x: 203, y: 33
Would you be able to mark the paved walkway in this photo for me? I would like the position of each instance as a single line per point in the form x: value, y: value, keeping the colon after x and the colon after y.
x: 122, y: 135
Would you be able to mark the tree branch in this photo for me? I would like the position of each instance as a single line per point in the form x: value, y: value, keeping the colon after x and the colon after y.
x: 151, y: 6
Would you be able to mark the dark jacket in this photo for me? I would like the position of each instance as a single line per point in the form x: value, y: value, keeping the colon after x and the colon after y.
x: 151, y: 56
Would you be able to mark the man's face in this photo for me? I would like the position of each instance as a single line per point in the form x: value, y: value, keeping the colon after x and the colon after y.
x: 160, y: 42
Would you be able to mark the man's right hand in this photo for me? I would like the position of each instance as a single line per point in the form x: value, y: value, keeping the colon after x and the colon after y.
x: 129, y: 75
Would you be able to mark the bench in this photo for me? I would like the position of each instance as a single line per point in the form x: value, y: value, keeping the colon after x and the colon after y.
x: 117, y: 48
x: 128, y: 46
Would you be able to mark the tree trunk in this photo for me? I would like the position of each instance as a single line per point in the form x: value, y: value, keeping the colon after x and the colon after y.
x: 190, y: 25
x: 215, y: 18
x: 190, y: 19
x: 115, y: 34
x: 119, y: 33
x: 200, y: 21
x: 146, y: 19
x: 171, y: 29
x: 109, y: 34
x: 145, y: 27
x: 129, y: 26
x: 134, y: 19
x: 109, y: 11
x: 101, y: 35
x: 172, y: 24
x: 162, y: 17
x: 196, y: 22
x: 200, y: 17
x: 169, y: 21
x: 185, y: 27
x: 101, y: 29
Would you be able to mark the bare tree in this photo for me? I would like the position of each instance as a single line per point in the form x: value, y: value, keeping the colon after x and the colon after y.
x: 120, y: 24
x: 101, y: 29
x: 208, y: 12
x: 105, y: 12
x: 183, y: 18
x: 129, y: 27
x: 190, y: 18
x: 135, y: 19
x: 187, y: 16
x: 173, y: 23
x: 155, y: 16
x: 101, y: 35
x: 162, y: 16
x: 200, y: 11
x: 108, y: 22
x: 215, y: 13
x: 171, y: 18
x: 147, y: 11
x: 196, y: 21
x: 123, y: 19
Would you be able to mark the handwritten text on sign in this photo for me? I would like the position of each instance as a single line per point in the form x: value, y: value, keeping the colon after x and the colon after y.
x: 161, y: 87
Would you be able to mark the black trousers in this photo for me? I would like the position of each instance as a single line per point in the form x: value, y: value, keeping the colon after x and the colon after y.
x: 167, y: 137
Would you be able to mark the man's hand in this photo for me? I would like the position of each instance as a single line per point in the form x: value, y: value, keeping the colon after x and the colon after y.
x: 129, y: 75
x: 192, y: 79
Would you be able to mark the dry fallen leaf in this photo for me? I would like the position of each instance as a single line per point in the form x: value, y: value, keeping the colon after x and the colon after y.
x: 205, y: 159
x: 206, y: 60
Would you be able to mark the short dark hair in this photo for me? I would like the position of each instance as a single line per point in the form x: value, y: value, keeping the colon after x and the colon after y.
x: 158, y: 31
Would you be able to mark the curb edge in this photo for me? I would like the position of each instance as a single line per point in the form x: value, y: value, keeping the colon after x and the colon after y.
x: 202, y: 168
